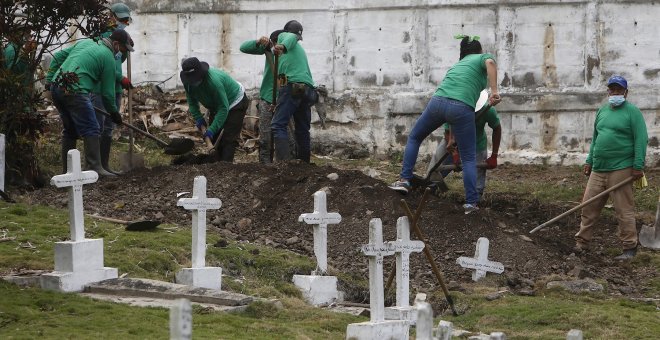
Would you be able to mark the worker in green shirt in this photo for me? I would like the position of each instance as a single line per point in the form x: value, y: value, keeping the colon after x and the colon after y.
x: 87, y: 68
x: 225, y: 100
x: 453, y: 102
x: 266, y: 105
x: 617, y: 152
x: 296, y: 94
x: 490, y: 118
x: 16, y: 55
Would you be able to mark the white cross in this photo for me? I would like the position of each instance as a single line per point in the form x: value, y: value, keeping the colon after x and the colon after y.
x: 320, y: 218
x: 199, y: 203
x: 403, y: 246
x: 74, y: 179
x: 181, y: 320
x: 480, y: 261
x: 376, y: 250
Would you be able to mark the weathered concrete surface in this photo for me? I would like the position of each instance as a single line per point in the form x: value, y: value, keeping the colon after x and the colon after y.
x: 157, y: 289
x: 383, y: 59
x: 160, y: 302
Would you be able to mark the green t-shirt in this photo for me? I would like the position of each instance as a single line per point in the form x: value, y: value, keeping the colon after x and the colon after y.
x: 489, y: 117
x: 118, y: 71
x: 293, y: 63
x: 466, y: 79
x: 17, y: 63
x: 216, y: 92
x: 266, y: 90
x: 619, y: 140
x: 95, y: 66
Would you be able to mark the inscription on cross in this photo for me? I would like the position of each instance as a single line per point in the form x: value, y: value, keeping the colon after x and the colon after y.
x: 199, y: 204
x: 74, y: 178
x: 320, y: 218
x: 480, y: 262
x: 376, y: 250
x: 403, y: 247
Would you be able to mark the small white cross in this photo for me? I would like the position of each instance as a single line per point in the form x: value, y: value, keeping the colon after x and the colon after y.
x: 480, y: 262
x: 199, y: 203
x: 376, y: 250
x: 320, y: 218
x: 75, y: 179
x: 403, y: 247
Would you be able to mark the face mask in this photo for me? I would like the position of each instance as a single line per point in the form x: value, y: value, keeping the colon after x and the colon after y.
x: 121, y: 25
x: 118, y: 56
x: 616, y: 100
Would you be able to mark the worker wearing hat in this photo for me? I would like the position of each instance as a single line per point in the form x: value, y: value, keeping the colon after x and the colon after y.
x: 225, y: 100
x: 617, y: 152
x: 296, y: 93
x: 86, y: 68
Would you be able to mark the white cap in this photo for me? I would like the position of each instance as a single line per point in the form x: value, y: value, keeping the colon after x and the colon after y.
x: 483, y: 99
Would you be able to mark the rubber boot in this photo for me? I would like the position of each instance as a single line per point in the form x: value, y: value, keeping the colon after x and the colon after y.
x: 93, y: 156
x: 282, y: 149
x: 104, y: 146
x: 67, y: 144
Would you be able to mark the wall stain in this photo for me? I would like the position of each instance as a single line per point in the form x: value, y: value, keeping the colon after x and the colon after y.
x: 549, y: 130
x: 506, y: 81
x: 549, y: 71
x: 592, y: 63
x: 527, y: 81
x: 509, y: 38
x: 225, y: 41
x: 653, y: 142
x: 399, y: 136
x: 651, y: 73
x: 406, y: 58
x: 352, y: 62
x: 391, y: 80
x: 406, y: 37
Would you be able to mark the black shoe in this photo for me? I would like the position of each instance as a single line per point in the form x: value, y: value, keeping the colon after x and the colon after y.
x: 628, y: 254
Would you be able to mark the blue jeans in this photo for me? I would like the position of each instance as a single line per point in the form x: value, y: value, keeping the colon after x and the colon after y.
x: 441, y: 110
x: 300, y: 107
x: 106, y: 124
x: 77, y: 114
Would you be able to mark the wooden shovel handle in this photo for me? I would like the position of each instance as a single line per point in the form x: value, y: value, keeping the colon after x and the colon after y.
x: 585, y: 203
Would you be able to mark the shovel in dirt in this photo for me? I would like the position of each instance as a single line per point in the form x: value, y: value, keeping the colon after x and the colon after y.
x: 130, y: 226
x: 177, y: 146
x: 130, y: 160
x: 585, y: 203
x: 649, y: 237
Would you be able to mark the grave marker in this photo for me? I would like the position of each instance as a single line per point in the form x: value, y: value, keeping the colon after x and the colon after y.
x: 480, y: 262
x: 181, y: 320
x: 424, y: 321
x: 320, y: 218
x: 319, y: 288
x: 377, y: 327
x: 574, y: 334
x: 80, y: 261
x: 403, y: 247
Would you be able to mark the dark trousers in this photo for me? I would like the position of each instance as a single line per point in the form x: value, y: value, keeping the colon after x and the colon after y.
x: 77, y: 114
x: 296, y: 103
x: 231, y: 131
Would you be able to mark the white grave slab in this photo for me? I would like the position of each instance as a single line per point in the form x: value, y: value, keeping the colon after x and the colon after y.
x: 574, y: 334
x: 377, y: 327
x: 403, y: 247
x: 317, y: 288
x: 181, y: 320
x: 2, y: 162
x: 80, y: 261
x: 480, y: 262
x: 424, y: 321
x: 199, y: 275
x: 445, y: 330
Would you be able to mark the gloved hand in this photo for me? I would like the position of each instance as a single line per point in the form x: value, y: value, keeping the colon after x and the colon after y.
x: 199, y: 123
x: 491, y: 162
x: 209, y: 134
x: 586, y: 169
x: 126, y: 84
x: 116, y: 117
x: 456, y: 157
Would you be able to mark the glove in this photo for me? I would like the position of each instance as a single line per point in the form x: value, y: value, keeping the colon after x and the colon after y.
x: 586, y: 169
x: 126, y: 84
x: 491, y: 162
x: 199, y: 122
x: 209, y: 134
x: 456, y: 157
x: 116, y: 117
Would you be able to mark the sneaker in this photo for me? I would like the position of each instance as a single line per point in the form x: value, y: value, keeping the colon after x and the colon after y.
x: 470, y: 208
x: 401, y: 185
x: 628, y: 254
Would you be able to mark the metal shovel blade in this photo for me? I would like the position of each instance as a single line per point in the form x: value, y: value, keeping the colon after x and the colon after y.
x: 649, y: 237
x: 179, y: 146
x: 142, y: 225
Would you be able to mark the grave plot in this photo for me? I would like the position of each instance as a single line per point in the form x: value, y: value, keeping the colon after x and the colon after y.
x: 273, y: 197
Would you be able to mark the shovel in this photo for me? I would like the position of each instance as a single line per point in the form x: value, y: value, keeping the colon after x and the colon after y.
x: 585, y: 203
x: 649, y: 237
x: 130, y: 226
x: 177, y: 146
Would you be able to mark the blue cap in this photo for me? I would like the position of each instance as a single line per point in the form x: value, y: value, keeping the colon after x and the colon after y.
x: 619, y: 80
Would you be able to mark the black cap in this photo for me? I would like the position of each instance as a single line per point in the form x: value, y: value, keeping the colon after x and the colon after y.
x: 121, y: 36
x: 294, y: 27
x: 193, y: 71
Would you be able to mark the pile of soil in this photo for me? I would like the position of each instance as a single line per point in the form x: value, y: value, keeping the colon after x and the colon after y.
x: 261, y: 203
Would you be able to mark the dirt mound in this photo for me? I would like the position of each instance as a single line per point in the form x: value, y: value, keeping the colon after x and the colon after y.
x: 261, y: 203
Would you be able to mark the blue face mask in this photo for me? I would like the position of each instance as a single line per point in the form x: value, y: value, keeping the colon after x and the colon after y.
x: 616, y: 100
x: 121, y: 25
x: 118, y: 56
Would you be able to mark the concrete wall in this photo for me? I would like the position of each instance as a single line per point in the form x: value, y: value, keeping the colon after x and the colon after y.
x: 383, y: 59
